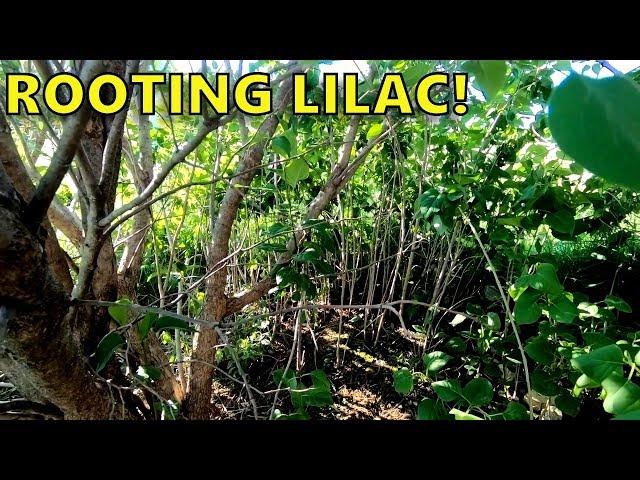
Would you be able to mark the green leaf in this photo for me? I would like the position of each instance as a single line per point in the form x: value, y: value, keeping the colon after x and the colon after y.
x: 568, y: 404
x: 457, y: 320
x: 597, y: 123
x: 375, y: 130
x: 478, y: 392
x: 106, y: 348
x: 320, y: 394
x: 320, y: 380
x: 561, y: 309
x: 490, y: 75
x: 622, y: 394
x: 543, y: 383
x: 460, y: 415
x: 165, y: 322
x: 584, y: 381
x: 429, y: 409
x: 456, y: 345
x: 145, y: 325
x: 540, y: 350
x: 435, y: 361
x: 492, y: 321
x: 412, y: 74
x: 549, y: 283
x: 299, y: 415
x: 617, y: 303
x: 630, y: 415
x: 120, y: 313
x: 527, y: 311
x: 296, y: 171
x: 561, y: 221
x: 515, y: 411
x: 149, y: 372
x: 292, y: 137
x: 289, y: 379
x: 448, y: 390
x: 600, y: 363
x: 596, y: 340
x: 308, y: 255
x: 281, y: 145
x: 403, y: 381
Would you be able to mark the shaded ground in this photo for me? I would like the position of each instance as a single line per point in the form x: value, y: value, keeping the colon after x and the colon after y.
x: 362, y: 382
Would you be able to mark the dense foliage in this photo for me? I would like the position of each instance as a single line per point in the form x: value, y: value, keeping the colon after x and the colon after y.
x: 474, y: 267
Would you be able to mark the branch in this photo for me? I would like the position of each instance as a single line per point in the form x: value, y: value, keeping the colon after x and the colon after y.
x: 61, y: 160
x: 67, y: 221
x: 177, y: 157
x: 115, y: 132
x: 342, y: 172
x: 505, y: 301
x: 250, y: 160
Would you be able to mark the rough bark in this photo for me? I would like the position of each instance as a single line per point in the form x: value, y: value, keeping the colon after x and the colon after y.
x: 37, y: 348
x: 198, y: 401
x: 17, y: 172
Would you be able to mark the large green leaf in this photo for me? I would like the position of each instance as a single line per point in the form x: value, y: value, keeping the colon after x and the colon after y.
x: 478, y: 392
x: 430, y: 409
x: 515, y: 411
x: 319, y: 394
x: 460, y: 415
x: 617, y: 303
x: 375, y: 130
x: 561, y: 309
x: 630, y: 415
x: 165, y: 322
x: 490, y: 75
x: 543, y: 383
x: 527, y: 310
x: 448, y: 390
x: 597, y: 123
x: 492, y: 321
x: 435, y: 361
x: 540, y: 350
x: 568, y: 404
x: 106, y: 348
x: 403, y: 381
x: 296, y: 171
x: 145, y: 325
x: 561, y: 221
x: 281, y: 145
x: 546, y: 279
x: 120, y: 313
x: 599, y: 363
x: 622, y: 394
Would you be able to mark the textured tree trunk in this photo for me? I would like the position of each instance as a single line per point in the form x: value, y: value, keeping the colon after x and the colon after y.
x: 45, y: 340
x: 18, y: 175
x: 198, y: 402
x: 37, y: 348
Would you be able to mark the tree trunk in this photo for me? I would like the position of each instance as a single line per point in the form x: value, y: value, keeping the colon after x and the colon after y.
x: 198, y: 402
x: 37, y: 347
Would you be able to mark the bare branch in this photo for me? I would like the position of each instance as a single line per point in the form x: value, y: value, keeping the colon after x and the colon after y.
x: 61, y: 160
x: 115, y: 132
x: 176, y: 158
x: 340, y: 175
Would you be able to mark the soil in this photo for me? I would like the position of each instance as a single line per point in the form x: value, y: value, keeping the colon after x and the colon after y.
x: 362, y: 381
